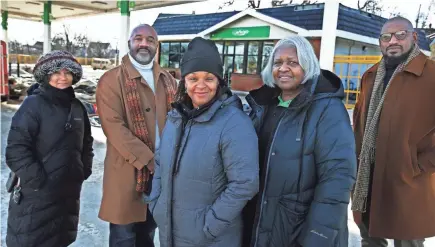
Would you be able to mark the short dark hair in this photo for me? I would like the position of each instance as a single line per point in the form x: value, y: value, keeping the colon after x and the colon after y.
x: 400, y: 19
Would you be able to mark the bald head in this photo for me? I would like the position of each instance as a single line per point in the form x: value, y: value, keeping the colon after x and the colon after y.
x: 143, y: 43
x: 397, y: 39
x: 145, y: 27
x: 399, y: 20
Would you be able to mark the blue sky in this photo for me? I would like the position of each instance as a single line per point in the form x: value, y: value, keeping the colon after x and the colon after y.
x: 30, y: 32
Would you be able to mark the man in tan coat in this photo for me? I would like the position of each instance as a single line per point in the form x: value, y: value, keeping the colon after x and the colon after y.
x: 394, y: 123
x: 133, y: 100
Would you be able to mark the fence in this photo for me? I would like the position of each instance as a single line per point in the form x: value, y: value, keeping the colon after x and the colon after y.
x: 31, y: 59
x: 350, y: 70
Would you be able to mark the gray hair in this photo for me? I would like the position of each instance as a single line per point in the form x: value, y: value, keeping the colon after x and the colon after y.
x: 306, y: 56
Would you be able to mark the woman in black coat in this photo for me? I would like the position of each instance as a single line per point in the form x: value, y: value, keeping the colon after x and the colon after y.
x: 306, y: 151
x: 50, y: 150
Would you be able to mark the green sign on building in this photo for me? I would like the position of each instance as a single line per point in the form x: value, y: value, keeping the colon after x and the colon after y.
x: 242, y: 33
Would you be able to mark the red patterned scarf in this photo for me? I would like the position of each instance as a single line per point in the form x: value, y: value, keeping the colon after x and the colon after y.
x: 140, y: 129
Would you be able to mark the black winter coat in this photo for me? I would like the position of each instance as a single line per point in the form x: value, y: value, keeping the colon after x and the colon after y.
x: 48, y: 213
x: 307, y: 168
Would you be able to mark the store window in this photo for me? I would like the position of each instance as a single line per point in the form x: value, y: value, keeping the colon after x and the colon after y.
x: 247, y: 57
x: 253, y: 51
x: 267, y: 51
x: 164, y: 55
x: 239, y: 64
x: 171, y: 54
x: 220, y: 47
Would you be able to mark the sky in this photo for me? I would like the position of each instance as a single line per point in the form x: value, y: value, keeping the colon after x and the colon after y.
x: 106, y: 28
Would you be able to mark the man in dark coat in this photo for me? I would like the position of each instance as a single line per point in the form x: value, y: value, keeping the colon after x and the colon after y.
x: 50, y: 150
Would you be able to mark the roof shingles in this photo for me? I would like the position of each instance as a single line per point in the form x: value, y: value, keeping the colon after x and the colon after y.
x: 366, y: 24
x: 189, y: 24
x: 309, y: 17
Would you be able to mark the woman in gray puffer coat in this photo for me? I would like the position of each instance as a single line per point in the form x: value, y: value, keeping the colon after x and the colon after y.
x: 207, y: 162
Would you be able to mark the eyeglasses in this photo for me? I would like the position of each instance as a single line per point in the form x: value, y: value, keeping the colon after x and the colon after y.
x: 400, y: 35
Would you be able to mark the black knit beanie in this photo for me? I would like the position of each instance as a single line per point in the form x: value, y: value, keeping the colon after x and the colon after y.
x: 202, y: 55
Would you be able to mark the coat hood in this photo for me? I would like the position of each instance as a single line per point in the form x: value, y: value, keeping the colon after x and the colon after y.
x: 327, y: 85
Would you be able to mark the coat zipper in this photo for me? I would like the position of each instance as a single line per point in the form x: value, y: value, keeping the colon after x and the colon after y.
x: 172, y: 173
x: 265, y: 180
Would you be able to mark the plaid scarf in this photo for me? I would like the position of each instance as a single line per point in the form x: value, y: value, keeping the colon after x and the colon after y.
x: 139, y: 125
x: 368, y: 150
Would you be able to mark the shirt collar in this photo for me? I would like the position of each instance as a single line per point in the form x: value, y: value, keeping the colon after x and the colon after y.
x: 283, y: 103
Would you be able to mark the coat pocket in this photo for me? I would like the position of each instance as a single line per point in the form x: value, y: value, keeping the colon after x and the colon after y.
x: 113, y: 158
x: 188, y: 225
x: 416, y: 168
x: 288, y: 221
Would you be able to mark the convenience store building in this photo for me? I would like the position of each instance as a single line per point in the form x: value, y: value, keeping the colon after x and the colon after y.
x: 246, y: 38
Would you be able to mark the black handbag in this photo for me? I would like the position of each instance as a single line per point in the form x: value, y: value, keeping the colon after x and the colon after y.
x: 13, y: 178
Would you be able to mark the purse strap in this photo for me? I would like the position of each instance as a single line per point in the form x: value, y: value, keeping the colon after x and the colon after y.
x: 67, y: 129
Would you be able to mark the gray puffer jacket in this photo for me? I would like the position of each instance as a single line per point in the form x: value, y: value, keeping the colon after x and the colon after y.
x: 206, y: 171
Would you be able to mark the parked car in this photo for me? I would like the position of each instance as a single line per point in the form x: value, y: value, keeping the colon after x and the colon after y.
x: 101, y: 63
x: 85, y: 92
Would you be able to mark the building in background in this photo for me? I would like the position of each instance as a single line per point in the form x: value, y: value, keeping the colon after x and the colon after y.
x: 246, y: 38
x: 432, y: 48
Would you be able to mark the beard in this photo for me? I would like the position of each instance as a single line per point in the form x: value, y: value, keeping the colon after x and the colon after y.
x: 143, y: 58
x: 393, y: 60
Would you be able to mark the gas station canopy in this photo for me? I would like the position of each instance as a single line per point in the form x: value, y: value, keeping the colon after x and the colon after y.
x: 34, y: 10
x: 51, y: 10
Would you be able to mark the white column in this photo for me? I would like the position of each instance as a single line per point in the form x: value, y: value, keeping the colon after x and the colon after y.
x: 47, y: 26
x: 47, y: 38
x: 125, y: 33
x: 329, y: 34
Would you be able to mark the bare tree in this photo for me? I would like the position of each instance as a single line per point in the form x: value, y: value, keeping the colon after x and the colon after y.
x: 393, y: 12
x: 68, y: 41
x: 58, y: 42
x: 98, y: 49
x: 15, y: 47
x: 278, y: 2
x: 305, y: 2
x: 422, y: 16
x: 371, y: 6
x: 226, y: 3
x: 82, y: 42
x: 275, y: 3
x: 254, y: 4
